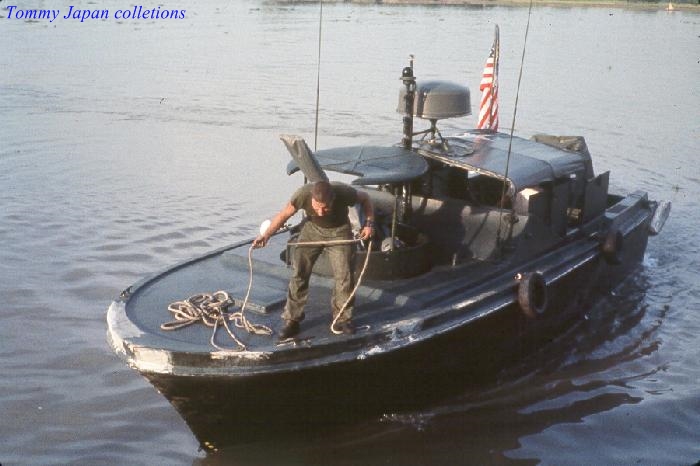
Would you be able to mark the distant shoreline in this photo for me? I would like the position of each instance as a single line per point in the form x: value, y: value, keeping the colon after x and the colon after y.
x: 626, y: 4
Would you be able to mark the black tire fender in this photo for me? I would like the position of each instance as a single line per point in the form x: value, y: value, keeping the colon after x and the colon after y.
x: 612, y: 246
x: 532, y: 294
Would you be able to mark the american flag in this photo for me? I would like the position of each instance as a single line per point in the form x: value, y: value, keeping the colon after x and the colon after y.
x: 488, y: 110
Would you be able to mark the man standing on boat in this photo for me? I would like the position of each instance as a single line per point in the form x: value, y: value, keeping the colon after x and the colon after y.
x: 326, y: 206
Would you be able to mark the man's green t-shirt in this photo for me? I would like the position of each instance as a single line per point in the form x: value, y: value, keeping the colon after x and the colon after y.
x: 345, y: 196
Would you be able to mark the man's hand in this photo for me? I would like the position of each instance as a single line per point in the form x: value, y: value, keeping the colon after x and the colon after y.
x: 260, y: 241
x: 367, y: 231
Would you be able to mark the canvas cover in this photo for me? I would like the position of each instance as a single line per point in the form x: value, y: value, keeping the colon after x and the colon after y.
x: 485, y: 152
x: 530, y: 164
x: 373, y: 165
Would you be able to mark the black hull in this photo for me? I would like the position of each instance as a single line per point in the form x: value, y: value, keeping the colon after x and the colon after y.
x: 224, y: 410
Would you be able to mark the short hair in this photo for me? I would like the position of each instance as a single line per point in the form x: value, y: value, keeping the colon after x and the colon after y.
x: 323, y: 192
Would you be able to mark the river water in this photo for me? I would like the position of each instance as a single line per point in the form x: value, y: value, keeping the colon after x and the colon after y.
x: 129, y: 145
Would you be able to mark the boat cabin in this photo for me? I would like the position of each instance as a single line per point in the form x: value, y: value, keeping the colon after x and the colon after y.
x: 480, y: 195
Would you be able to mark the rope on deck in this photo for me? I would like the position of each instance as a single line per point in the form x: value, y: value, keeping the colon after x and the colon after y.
x: 211, y: 310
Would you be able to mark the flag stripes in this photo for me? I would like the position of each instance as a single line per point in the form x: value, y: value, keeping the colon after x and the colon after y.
x: 488, y: 108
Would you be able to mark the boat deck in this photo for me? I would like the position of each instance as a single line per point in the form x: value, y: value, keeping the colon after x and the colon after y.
x: 380, y: 306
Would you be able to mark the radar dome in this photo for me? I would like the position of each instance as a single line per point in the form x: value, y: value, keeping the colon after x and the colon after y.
x: 436, y: 100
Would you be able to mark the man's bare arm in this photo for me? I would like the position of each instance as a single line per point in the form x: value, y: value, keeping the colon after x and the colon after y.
x: 276, y: 223
x: 368, y: 209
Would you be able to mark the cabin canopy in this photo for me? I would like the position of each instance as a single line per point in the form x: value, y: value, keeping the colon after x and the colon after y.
x: 483, y: 152
x: 531, y: 162
x: 373, y: 165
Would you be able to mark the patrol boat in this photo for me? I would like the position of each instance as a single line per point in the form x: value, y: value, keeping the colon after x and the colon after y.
x: 488, y: 243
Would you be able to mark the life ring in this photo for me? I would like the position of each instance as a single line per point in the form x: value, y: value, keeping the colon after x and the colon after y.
x: 612, y: 246
x: 532, y: 294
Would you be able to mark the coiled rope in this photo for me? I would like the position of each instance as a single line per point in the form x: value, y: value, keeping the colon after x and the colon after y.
x: 211, y: 308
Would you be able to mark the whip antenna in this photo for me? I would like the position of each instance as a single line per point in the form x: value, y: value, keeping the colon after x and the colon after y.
x: 515, y: 110
x: 318, y: 72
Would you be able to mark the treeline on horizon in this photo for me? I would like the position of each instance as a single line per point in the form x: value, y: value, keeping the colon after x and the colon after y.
x: 496, y: 2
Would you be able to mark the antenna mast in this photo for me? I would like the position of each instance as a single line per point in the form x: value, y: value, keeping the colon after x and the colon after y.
x: 318, y: 72
x: 512, y: 126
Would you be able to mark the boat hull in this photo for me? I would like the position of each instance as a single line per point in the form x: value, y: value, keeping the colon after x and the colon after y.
x: 228, y: 409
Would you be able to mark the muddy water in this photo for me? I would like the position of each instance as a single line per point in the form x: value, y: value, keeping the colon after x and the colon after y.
x: 129, y: 145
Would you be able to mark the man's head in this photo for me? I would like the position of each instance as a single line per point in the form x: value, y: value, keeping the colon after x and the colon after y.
x: 322, y: 197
